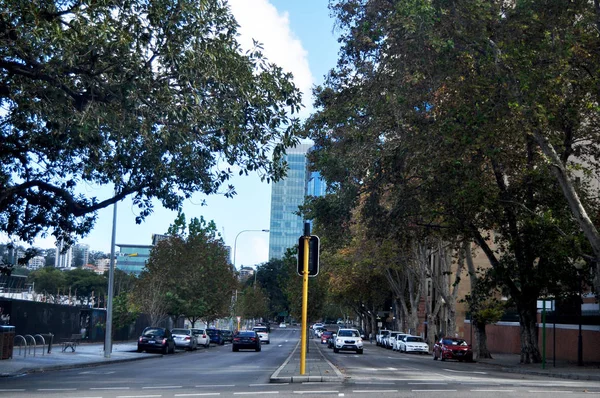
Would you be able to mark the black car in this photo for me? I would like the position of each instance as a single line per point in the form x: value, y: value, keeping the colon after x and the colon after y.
x: 246, y: 339
x: 227, y: 336
x: 156, y: 339
x: 216, y: 336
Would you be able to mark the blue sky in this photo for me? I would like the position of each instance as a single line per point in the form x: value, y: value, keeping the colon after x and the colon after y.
x: 299, y: 36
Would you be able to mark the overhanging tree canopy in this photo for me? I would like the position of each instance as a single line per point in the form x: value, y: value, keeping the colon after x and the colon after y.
x: 147, y: 96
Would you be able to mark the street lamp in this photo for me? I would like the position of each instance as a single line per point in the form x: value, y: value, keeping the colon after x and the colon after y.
x: 236, y: 237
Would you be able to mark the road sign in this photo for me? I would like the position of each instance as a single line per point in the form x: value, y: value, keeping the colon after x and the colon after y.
x: 313, y: 255
x: 239, y: 318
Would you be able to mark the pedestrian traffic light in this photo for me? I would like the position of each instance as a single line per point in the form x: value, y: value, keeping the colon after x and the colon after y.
x: 313, y: 255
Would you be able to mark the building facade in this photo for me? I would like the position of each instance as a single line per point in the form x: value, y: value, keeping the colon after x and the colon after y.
x: 133, y: 258
x: 286, y: 195
x: 64, y: 258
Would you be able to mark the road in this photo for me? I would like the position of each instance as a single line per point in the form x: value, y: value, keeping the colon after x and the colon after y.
x: 219, y: 372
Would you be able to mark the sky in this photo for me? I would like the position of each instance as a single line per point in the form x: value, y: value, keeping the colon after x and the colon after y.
x: 299, y: 36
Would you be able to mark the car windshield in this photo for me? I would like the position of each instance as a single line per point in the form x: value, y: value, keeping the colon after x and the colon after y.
x: 212, y: 332
x: 198, y: 331
x: 414, y: 339
x: 247, y: 334
x: 385, y: 332
x: 455, y: 342
x: 348, y: 333
x: 154, y: 332
x: 261, y: 329
x: 181, y: 331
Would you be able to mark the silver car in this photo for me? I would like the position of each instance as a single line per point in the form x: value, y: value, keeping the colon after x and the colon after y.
x: 184, y: 338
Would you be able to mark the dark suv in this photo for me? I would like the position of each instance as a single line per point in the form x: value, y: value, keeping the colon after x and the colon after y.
x: 216, y: 336
x: 156, y: 339
x: 227, y: 336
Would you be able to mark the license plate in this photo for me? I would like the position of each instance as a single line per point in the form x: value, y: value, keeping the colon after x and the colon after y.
x: 151, y: 342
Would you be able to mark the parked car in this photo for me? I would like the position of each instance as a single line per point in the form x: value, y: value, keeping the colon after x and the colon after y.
x: 380, y: 337
x: 390, y: 341
x: 348, y: 340
x: 216, y: 337
x: 246, y: 339
x: 317, y: 325
x: 331, y: 340
x: 227, y: 335
x: 452, y: 348
x: 184, y: 338
x: 202, y: 339
x: 263, y: 334
x: 156, y: 339
x: 325, y: 336
x: 282, y: 325
x: 397, y: 339
x: 413, y: 344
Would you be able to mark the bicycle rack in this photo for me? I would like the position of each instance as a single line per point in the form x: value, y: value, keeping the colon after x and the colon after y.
x: 24, y: 341
x: 43, y: 344
x: 29, y: 337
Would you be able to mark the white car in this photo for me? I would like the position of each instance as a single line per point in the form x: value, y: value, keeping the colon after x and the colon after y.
x: 282, y: 325
x: 379, y: 337
x: 185, y: 339
x: 202, y: 339
x: 348, y: 340
x: 263, y: 334
x: 393, y: 338
x: 413, y: 344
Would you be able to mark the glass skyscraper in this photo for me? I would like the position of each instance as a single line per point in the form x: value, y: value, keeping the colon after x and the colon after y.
x: 286, y: 195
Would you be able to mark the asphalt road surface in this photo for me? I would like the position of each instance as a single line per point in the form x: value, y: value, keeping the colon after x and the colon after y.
x: 219, y: 372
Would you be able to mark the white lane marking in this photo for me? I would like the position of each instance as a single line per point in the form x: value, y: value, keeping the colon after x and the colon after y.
x: 465, y: 371
x: 139, y: 396
x: 200, y: 394
x: 280, y: 345
x: 255, y: 392
x: 372, y: 382
x: 433, y: 390
x: 550, y: 391
x: 159, y: 387
x: 430, y: 383
x: 268, y: 385
x: 374, y: 391
x: 216, y: 385
x: 493, y: 390
x: 57, y: 389
x: 316, y: 392
x: 341, y: 394
x: 12, y: 390
x: 109, y: 388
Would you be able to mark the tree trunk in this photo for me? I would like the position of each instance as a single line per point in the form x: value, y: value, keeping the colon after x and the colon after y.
x: 579, y: 213
x: 480, y: 344
x: 530, y: 352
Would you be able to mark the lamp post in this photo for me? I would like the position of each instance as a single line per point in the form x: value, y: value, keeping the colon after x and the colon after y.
x: 236, y: 237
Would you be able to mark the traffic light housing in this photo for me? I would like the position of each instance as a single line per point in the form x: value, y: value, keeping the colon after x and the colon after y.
x: 313, y: 255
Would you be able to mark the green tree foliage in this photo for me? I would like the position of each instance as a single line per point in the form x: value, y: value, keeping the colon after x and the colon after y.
x: 84, y: 283
x: 188, y: 274
x: 48, y: 280
x: 253, y: 303
x: 124, y: 311
x: 433, y: 117
x: 269, y: 279
x: 144, y: 96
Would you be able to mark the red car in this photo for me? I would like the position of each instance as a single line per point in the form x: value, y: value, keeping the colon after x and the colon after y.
x: 452, y: 348
x: 325, y: 336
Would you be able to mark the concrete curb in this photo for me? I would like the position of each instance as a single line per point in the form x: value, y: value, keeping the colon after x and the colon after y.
x: 564, y: 374
x: 275, y: 378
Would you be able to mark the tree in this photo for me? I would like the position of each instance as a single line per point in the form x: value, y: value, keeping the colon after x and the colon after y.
x: 48, y: 280
x: 144, y: 96
x: 429, y: 120
x: 192, y: 272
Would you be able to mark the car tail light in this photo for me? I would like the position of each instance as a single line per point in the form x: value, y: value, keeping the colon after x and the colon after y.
x: 164, y: 341
x: 203, y: 336
x: 140, y: 339
x: 253, y: 338
x: 188, y: 338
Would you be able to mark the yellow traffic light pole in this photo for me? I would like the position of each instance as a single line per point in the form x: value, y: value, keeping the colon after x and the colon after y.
x: 304, y: 306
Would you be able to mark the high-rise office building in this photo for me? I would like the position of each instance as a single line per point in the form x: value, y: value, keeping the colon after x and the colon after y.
x: 286, y: 195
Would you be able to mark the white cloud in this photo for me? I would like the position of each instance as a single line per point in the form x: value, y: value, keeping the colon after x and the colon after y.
x: 260, y: 20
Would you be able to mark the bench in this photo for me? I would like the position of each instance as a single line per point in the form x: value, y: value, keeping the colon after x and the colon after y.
x: 71, y: 342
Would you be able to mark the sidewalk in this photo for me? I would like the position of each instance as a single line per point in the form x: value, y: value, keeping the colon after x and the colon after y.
x: 86, y: 354
x: 317, y: 367
x: 562, y: 369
